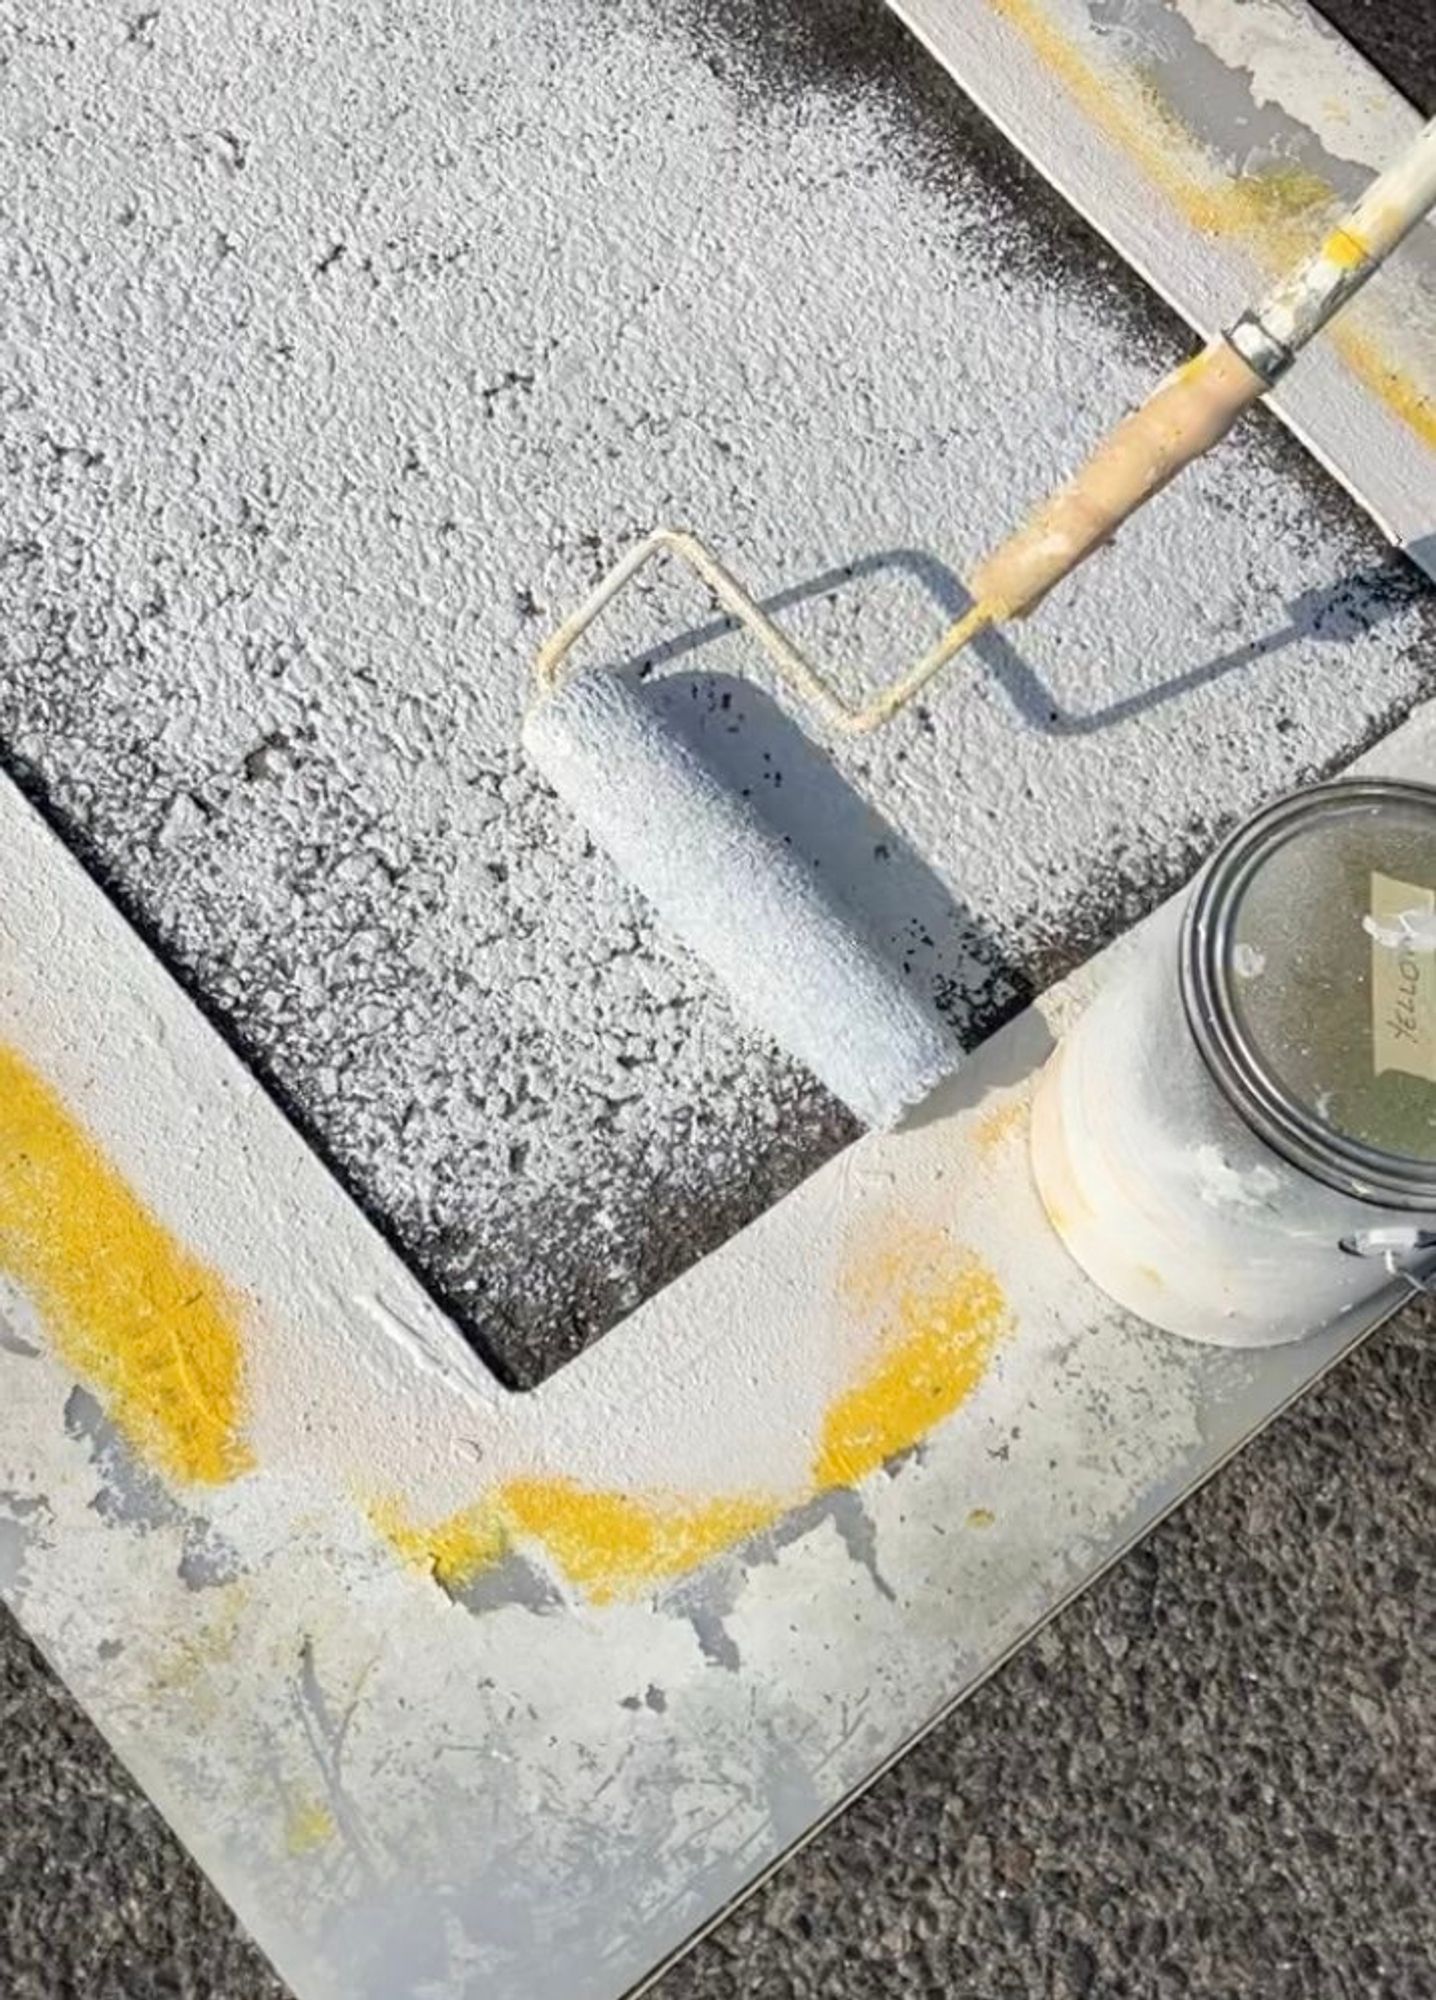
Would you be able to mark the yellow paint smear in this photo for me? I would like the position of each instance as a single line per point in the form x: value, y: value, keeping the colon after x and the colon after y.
x: 940, y: 1315
x: 452, y: 1550
x: 1346, y: 251
x: 151, y: 1330
x: 1399, y: 393
x: 308, y: 1824
x: 607, y: 1544
x: 610, y: 1543
x: 1274, y: 214
x: 994, y: 1128
x: 942, y: 1319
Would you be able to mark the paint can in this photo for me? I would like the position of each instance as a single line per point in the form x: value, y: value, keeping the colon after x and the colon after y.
x: 1237, y: 1141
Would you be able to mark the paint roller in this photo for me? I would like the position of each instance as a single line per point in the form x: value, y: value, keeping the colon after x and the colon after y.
x: 798, y: 959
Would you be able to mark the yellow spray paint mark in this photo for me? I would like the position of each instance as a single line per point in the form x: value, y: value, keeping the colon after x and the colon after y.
x: 1346, y: 251
x: 940, y: 1314
x: 994, y: 1128
x: 607, y: 1544
x: 941, y: 1317
x: 148, y: 1327
x: 1274, y: 213
x: 1399, y: 393
x: 308, y: 1824
x: 452, y: 1550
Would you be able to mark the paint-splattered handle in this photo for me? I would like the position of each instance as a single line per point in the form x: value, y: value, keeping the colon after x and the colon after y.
x: 1195, y: 407
x: 1184, y: 416
x: 1272, y: 335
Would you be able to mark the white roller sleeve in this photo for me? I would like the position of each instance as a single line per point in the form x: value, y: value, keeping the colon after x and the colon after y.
x: 797, y: 961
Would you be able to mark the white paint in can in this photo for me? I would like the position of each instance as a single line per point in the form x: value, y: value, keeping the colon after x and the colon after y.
x: 1205, y: 1156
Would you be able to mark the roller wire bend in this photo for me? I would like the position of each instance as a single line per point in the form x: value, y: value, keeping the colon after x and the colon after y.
x: 793, y: 666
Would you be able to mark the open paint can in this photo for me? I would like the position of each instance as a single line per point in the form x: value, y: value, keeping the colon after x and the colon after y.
x: 1238, y: 1139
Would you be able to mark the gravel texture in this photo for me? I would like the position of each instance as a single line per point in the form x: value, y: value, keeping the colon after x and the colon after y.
x: 1215, y: 1775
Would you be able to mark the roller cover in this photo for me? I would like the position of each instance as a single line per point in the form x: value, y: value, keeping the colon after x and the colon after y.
x: 798, y: 962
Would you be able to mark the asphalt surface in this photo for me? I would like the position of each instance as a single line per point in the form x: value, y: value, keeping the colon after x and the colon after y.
x: 1214, y: 1775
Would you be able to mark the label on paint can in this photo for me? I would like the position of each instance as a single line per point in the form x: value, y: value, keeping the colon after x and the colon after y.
x: 1402, y: 926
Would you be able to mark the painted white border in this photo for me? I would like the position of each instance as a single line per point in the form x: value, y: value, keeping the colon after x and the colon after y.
x: 520, y: 1789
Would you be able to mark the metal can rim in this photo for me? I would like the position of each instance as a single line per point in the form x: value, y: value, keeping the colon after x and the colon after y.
x: 1386, y: 1180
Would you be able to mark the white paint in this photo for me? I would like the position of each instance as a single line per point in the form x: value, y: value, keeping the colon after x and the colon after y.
x: 1223, y: 1185
x: 1410, y: 930
x: 268, y: 645
x: 1302, y: 66
x: 1166, y: 1200
x: 289, y: 697
x: 1164, y: 1194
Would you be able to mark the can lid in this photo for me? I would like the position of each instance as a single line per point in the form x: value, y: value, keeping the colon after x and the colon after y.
x: 1309, y: 975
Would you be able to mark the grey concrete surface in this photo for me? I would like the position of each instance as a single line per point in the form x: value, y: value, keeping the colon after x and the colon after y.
x: 1215, y: 1775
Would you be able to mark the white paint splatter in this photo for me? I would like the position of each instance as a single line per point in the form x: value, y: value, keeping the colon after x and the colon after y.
x: 1224, y: 1185
x: 1409, y: 930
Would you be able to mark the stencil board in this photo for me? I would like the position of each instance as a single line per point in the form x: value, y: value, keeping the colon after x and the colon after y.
x: 457, y: 1691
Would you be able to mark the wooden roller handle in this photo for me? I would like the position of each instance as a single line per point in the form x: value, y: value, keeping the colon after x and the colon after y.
x: 1184, y: 416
